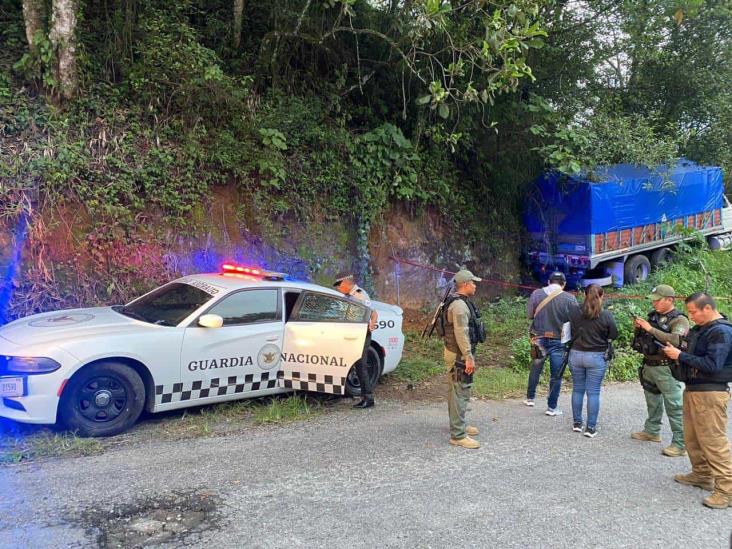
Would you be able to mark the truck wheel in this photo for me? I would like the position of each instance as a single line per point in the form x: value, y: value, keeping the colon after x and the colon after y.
x: 661, y: 257
x: 637, y: 269
x: 375, y: 367
x: 102, y: 400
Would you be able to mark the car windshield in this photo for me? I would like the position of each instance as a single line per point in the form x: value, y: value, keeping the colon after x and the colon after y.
x: 166, y: 306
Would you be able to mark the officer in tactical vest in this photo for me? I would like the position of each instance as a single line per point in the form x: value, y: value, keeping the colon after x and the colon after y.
x: 345, y: 284
x: 705, y: 366
x: 463, y: 330
x: 665, y: 324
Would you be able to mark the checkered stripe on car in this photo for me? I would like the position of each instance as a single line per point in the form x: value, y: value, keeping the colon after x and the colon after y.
x: 320, y: 383
x: 219, y: 386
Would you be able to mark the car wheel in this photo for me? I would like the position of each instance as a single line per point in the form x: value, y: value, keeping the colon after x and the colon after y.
x: 375, y: 367
x: 102, y: 400
x: 661, y: 257
x: 637, y: 269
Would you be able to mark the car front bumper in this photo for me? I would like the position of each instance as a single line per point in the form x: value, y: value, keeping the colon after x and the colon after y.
x: 39, y: 404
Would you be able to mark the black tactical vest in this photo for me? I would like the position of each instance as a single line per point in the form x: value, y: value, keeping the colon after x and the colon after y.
x: 475, y: 324
x: 692, y: 376
x: 643, y: 342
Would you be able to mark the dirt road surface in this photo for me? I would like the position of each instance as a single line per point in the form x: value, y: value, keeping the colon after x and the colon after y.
x: 384, y: 477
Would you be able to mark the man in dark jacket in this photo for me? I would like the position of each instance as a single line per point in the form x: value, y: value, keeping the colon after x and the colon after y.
x: 707, y: 370
x: 548, y: 308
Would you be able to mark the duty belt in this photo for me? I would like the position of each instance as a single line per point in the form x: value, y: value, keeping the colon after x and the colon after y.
x: 658, y: 363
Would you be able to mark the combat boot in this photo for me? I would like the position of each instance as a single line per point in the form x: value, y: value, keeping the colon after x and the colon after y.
x: 718, y: 500
x: 466, y: 442
x: 692, y: 479
x: 642, y: 435
x: 673, y: 451
x: 472, y: 431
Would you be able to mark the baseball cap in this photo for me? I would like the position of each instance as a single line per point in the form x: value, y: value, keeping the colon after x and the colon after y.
x: 343, y: 276
x: 661, y: 291
x: 465, y: 275
x: 558, y: 276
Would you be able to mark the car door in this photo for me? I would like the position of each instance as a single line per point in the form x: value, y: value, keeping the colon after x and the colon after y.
x: 324, y: 337
x: 241, y: 358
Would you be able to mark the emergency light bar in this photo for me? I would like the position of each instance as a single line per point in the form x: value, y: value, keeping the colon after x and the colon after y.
x: 231, y: 268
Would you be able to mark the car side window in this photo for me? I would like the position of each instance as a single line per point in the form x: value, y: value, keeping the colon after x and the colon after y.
x: 248, y: 306
x: 323, y: 308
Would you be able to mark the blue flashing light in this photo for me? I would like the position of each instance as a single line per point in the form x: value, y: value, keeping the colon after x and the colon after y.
x: 6, y: 282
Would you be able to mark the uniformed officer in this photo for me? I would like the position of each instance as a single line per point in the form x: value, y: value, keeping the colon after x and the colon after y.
x: 345, y: 284
x: 706, y: 369
x: 665, y: 324
x: 462, y: 332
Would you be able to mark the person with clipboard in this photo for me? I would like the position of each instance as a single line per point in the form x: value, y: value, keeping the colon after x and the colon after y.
x: 548, y: 308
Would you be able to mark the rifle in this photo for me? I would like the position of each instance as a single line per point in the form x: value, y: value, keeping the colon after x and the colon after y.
x: 430, y: 328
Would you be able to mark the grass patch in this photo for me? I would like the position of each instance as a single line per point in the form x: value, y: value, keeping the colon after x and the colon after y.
x: 228, y: 416
x: 499, y: 383
x: 421, y: 359
x: 47, y: 445
x: 282, y: 410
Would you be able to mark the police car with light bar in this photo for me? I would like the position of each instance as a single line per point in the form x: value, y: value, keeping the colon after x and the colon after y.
x: 200, y: 339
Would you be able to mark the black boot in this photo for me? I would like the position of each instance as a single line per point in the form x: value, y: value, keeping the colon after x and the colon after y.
x: 365, y: 402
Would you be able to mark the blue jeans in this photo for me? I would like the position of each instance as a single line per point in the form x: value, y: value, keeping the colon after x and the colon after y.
x: 588, y: 370
x: 554, y: 349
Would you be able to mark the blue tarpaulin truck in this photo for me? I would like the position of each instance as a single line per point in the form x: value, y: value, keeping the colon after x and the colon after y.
x: 612, y: 229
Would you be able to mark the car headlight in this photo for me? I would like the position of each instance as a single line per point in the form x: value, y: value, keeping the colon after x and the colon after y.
x: 28, y: 365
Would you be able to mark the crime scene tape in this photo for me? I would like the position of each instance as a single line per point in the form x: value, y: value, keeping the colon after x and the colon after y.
x: 525, y: 286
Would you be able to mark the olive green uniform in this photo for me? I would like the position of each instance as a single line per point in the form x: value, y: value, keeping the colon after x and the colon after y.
x: 457, y: 346
x: 656, y: 371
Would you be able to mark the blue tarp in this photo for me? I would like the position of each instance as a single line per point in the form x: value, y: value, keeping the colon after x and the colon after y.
x: 625, y: 196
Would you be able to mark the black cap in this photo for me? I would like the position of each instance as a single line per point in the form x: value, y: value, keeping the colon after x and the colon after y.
x: 558, y: 276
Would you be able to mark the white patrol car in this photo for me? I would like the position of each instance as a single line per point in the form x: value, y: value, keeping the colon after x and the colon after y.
x: 197, y: 340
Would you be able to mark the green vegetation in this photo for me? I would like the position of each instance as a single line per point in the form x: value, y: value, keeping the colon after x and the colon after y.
x: 291, y: 408
x: 303, y: 108
x: 47, y: 445
x: 33, y: 443
x: 504, y: 360
x: 421, y: 360
x: 499, y: 383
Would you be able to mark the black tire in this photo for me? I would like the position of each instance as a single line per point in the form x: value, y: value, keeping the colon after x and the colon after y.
x: 661, y: 257
x: 102, y: 400
x: 375, y: 367
x: 637, y: 269
x: 714, y: 243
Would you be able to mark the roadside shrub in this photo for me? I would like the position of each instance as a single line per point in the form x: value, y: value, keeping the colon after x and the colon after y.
x: 521, y: 354
x: 624, y: 366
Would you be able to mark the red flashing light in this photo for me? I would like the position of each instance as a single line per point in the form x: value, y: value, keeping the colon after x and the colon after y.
x: 240, y: 269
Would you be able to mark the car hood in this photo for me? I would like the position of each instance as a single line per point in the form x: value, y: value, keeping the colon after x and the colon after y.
x: 62, y: 326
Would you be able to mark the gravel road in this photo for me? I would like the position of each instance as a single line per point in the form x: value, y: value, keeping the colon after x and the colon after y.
x: 385, y: 477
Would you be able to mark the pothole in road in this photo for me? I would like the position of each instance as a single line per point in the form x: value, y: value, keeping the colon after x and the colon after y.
x: 152, y: 521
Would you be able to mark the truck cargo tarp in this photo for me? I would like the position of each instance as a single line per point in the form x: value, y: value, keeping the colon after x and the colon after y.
x: 626, y: 196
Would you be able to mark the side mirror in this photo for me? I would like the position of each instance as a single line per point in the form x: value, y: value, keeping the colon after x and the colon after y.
x: 211, y: 321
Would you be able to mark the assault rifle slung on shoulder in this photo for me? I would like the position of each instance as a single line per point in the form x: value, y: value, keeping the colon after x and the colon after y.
x: 437, y: 316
